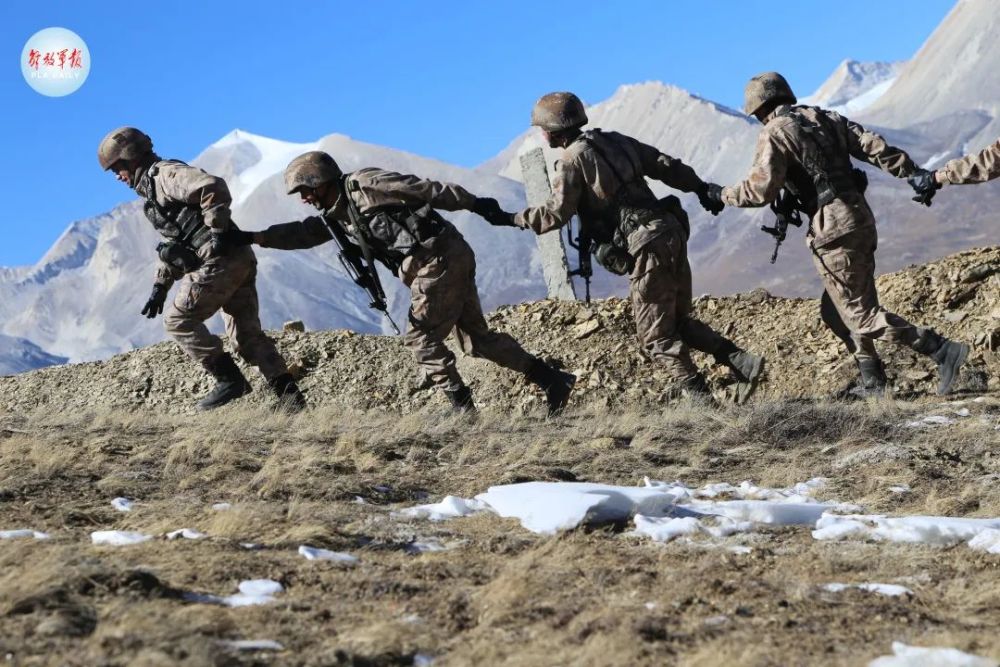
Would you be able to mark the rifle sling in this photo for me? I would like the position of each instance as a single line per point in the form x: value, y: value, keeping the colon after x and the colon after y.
x: 359, y: 236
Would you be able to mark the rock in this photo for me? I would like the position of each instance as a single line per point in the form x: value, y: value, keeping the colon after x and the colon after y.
x: 955, y: 316
x: 294, y: 326
x: 756, y: 296
x: 978, y: 272
x: 585, y: 329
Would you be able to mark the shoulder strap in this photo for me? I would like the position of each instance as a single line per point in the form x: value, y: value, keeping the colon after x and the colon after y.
x: 622, y: 183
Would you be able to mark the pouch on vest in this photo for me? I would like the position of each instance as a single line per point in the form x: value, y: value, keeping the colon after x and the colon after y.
x: 178, y: 256
x: 615, y: 259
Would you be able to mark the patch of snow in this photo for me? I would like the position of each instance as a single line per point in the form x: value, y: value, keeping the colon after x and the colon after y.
x: 252, y: 645
x: 988, y: 541
x: 253, y: 592
x: 186, y: 533
x: 118, y: 538
x: 422, y: 660
x: 900, y: 488
x: 934, y: 530
x: 222, y: 507
x: 123, y: 504
x: 314, y: 553
x: 449, y: 508
x: 919, y: 656
x: 889, y: 590
x: 22, y: 533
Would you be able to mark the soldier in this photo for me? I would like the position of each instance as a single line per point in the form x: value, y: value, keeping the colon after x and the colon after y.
x: 979, y: 168
x: 190, y: 209
x: 808, y: 151
x: 602, y: 178
x: 391, y: 217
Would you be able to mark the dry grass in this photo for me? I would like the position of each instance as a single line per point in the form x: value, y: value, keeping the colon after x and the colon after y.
x: 501, y: 595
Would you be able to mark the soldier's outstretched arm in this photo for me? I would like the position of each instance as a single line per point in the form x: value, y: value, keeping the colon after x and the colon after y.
x: 195, y: 187
x: 667, y: 169
x: 567, y: 188
x: 409, y: 189
x: 977, y: 168
x: 298, y: 235
x: 766, y: 177
x: 870, y: 147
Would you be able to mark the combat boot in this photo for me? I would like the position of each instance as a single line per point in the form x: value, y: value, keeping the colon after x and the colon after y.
x: 871, y: 382
x: 289, y: 395
x: 230, y: 383
x: 461, y: 400
x: 556, y: 384
x: 949, y: 356
x: 695, y: 387
x: 745, y: 367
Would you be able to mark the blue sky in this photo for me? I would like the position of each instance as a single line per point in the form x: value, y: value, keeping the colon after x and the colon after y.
x: 451, y: 80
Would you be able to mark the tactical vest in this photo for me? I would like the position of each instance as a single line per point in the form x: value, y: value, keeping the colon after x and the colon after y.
x: 392, y: 232
x: 632, y: 206
x: 183, y: 226
x: 824, y: 171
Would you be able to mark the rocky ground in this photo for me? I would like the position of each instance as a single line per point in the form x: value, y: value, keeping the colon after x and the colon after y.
x: 483, y: 590
x: 958, y: 296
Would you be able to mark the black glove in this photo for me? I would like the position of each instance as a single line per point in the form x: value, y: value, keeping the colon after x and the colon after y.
x: 925, y: 185
x: 233, y: 238
x: 154, y: 306
x: 489, y: 209
x: 710, y: 197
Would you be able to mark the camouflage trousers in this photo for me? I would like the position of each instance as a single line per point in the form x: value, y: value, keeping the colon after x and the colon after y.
x: 443, y: 298
x: 849, y: 305
x: 660, y: 290
x: 227, y: 283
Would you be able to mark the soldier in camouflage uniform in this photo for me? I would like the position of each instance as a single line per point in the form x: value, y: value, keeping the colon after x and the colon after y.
x: 602, y: 178
x: 977, y: 168
x: 190, y: 209
x: 808, y: 151
x: 391, y: 217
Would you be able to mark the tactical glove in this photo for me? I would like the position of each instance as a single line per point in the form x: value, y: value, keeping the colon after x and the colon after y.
x: 154, y: 306
x: 489, y: 209
x: 234, y: 238
x: 710, y: 197
x: 925, y: 185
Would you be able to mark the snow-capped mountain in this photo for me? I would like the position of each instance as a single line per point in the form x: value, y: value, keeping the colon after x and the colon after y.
x: 854, y: 86
x: 18, y: 355
x: 82, y: 299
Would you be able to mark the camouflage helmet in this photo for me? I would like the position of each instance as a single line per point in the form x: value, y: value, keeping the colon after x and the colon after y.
x: 558, y: 111
x: 125, y: 143
x: 310, y: 170
x: 766, y: 88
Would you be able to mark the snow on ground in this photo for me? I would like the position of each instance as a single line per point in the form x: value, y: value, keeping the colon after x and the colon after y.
x: 890, y: 590
x: 186, y: 533
x: 253, y: 645
x: 661, y: 510
x: 118, y: 538
x: 21, y: 533
x: 314, y: 553
x: 934, y: 530
x: 251, y: 592
x: 123, y: 504
x: 918, y: 656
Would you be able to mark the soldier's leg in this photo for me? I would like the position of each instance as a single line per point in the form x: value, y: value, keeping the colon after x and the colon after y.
x: 437, y: 298
x: 745, y: 367
x: 655, y: 290
x: 202, y: 293
x: 241, y: 316
x: 476, y: 339
x: 847, y: 268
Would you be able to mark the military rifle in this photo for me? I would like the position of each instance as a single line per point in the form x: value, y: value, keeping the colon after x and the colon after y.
x: 361, y: 270
x: 583, y: 245
x: 786, y: 212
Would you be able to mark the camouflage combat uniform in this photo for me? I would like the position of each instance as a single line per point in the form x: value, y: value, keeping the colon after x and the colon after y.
x: 224, y: 280
x: 977, y: 168
x: 428, y: 254
x: 600, y: 176
x: 842, y: 234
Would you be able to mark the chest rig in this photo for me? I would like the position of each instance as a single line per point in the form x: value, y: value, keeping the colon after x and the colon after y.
x: 181, y: 225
